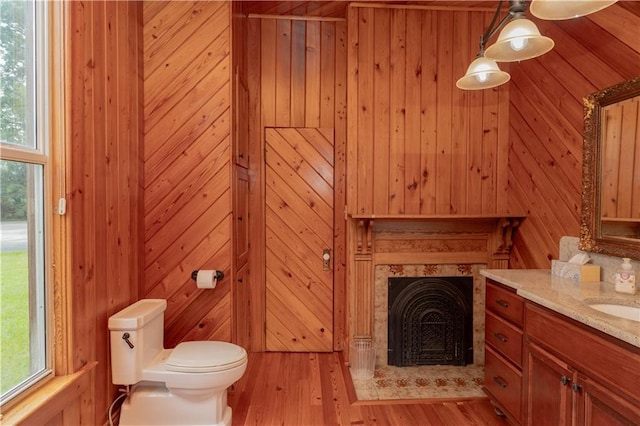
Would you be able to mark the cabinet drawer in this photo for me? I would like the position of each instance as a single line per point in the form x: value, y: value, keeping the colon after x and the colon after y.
x: 503, y: 382
x: 504, y: 337
x: 505, y: 303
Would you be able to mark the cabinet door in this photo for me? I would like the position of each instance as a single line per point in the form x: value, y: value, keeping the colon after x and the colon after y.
x: 600, y: 405
x: 548, y: 388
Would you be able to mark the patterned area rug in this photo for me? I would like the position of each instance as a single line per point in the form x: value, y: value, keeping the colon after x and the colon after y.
x: 424, y: 382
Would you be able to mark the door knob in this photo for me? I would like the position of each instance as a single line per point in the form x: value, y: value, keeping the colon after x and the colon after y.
x: 326, y: 259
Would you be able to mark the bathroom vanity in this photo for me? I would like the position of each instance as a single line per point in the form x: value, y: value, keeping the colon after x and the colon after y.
x: 552, y: 358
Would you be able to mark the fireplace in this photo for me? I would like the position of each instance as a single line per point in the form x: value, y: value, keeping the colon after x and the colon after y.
x: 420, y: 246
x: 430, y: 321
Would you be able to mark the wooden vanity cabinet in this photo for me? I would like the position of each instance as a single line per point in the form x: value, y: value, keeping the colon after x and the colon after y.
x: 503, y: 349
x: 576, y: 375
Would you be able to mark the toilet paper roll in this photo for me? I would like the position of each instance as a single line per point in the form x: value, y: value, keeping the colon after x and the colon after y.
x: 206, y: 279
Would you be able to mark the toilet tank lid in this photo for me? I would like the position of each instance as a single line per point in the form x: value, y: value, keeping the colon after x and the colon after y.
x: 137, y: 315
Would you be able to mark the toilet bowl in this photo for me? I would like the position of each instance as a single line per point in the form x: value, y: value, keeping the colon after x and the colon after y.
x: 186, y: 385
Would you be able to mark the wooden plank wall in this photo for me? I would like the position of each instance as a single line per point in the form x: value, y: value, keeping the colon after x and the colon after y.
x: 297, y: 78
x: 104, y: 184
x: 417, y: 144
x: 187, y: 164
x: 546, y: 122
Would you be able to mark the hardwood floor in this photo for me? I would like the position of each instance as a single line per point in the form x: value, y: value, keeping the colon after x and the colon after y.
x: 303, y: 389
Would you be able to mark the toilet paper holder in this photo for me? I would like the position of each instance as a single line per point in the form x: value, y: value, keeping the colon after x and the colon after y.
x: 219, y: 275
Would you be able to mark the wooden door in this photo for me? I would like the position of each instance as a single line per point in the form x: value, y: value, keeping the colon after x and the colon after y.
x: 549, y: 398
x: 299, y: 228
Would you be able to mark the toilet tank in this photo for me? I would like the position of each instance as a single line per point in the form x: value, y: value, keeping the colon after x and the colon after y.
x: 144, y: 322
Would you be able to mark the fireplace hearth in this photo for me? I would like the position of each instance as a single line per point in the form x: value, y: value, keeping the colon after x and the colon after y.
x: 430, y: 321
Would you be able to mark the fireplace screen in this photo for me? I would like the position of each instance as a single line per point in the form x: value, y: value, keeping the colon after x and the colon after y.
x: 430, y: 321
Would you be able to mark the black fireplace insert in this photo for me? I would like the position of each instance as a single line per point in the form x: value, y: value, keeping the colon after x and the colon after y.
x: 430, y: 321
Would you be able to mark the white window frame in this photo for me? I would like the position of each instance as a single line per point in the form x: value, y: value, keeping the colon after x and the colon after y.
x: 50, y: 30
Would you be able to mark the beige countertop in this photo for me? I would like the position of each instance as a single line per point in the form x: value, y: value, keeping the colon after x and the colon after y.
x: 571, y: 298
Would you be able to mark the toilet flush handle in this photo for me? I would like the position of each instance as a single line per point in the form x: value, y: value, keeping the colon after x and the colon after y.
x: 125, y: 337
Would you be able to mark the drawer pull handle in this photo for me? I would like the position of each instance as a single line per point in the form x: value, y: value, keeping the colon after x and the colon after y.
x: 500, y: 337
x: 502, y: 303
x: 500, y: 382
x: 564, y: 380
x: 576, y: 387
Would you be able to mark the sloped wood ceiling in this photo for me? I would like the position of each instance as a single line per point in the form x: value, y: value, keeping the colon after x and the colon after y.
x: 187, y: 169
x: 546, y: 122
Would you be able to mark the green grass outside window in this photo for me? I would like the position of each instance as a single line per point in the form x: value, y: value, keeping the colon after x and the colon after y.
x: 14, y: 319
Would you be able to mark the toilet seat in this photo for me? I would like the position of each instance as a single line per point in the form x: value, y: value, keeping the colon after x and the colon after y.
x: 205, y: 357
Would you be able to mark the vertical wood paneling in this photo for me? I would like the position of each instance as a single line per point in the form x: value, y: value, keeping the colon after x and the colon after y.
x: 502, y: 152
x: 444, y: 108
x: 413, y: 76
x: 460, y: 116
x: 474, y: 150
x: 546, y: 123
x: 312, y: 74
x: 303, y: 62
x: 489, y: 151
x: 105, y: 184
x: 428, y: 98
x: 268, y: 72
x: 353, y: 49
x: 397, y: 115
x: 283, y: 73
x: 298, y: 65
x: 365, y: 108
x: 327, y: 74
x: 339, y: 190
x: 381, y: 108
x: 435, y: 148
x: 187, y: 165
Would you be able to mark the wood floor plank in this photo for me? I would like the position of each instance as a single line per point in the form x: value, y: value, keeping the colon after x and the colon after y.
x: 306, y: 389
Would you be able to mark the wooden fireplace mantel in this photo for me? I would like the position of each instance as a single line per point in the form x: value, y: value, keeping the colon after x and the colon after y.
x: 502, y: 226
x: 419, y: 239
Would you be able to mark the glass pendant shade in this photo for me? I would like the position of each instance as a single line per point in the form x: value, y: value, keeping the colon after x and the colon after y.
x: 566, y: 9
x: 520, y: 39
x: 483, y: 73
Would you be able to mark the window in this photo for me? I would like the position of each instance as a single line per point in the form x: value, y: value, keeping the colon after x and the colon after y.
x: 24, y: 180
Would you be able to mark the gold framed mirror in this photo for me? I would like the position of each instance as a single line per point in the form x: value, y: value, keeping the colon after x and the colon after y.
x: 610, y: 220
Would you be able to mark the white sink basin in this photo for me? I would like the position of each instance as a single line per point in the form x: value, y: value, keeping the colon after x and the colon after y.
x: 621, y: 311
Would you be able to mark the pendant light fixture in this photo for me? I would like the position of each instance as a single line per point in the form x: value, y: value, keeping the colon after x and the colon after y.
x: 566, y: 9
x: 520, y: 39
x: 483, y: 73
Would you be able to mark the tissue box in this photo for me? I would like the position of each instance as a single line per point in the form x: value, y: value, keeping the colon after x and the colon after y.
x: 583, y: 273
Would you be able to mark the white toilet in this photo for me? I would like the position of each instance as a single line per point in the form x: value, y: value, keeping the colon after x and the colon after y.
x: 182, y: 386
